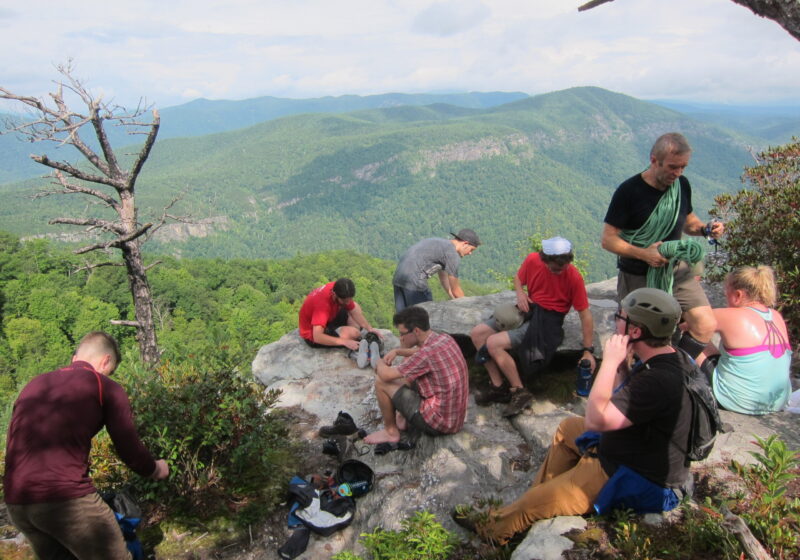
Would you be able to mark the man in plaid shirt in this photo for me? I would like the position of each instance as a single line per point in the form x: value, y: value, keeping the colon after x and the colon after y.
x: 428, y: 390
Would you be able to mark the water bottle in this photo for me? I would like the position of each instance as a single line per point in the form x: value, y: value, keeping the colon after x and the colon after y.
x: 584, y: 381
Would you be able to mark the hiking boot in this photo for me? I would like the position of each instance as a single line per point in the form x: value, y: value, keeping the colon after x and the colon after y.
x: 492, y: 394
x: 374, y: 354
x: 343, y: 425
x: 520, y: 399
x: 372, y: 337
x: 482, y: 355
x: 362, y: 358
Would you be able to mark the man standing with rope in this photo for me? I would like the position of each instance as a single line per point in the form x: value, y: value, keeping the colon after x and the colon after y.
x: 643, y: 226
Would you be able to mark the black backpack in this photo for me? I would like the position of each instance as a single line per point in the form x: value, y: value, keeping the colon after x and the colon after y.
x: 706, y: 423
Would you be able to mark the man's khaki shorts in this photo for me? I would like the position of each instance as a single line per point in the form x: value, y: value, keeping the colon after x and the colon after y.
x: 685, y: 288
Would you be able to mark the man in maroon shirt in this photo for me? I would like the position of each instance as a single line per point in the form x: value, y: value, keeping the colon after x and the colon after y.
x: 49, y: 494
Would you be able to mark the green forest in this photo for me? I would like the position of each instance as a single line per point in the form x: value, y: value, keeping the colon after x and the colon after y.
x: 376, y: 181
x: 204, y: 307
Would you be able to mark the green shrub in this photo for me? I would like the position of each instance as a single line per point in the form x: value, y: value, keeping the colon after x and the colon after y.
x: 421, y: 536
x: 218, y: 432
x: 763, y: 225
x: 773, y: 517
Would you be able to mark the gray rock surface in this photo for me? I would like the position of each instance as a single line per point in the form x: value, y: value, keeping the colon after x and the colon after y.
x: 491, y: 457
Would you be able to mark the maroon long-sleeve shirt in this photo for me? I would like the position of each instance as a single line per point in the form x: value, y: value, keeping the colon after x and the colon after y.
x: 50, y: 435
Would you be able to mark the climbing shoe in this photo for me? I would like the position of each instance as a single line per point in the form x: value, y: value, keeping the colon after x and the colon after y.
x: 492, y: 394
x: 362, y: 358
x: 520, y: 399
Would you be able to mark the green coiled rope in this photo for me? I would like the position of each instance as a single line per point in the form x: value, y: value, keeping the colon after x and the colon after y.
x: 659, y: 225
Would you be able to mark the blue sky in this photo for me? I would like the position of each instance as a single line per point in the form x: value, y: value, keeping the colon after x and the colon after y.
x: 173, y: 51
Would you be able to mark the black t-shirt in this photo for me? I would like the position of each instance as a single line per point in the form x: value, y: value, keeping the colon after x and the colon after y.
x: 632, y: 203
x: 654, y: 400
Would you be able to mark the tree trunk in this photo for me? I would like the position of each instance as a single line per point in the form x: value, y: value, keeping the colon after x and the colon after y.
x: 142, y: 302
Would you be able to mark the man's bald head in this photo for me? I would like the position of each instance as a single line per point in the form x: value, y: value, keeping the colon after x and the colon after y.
x: 99, y: 349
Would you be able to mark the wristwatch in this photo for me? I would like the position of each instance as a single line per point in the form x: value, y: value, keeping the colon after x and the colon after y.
x: 589, y: 349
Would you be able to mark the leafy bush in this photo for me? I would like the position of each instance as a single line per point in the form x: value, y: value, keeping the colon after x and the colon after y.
x: 421, y: 536
x: 217, y: 431
x: 763, y: 224
x: 771, y: 515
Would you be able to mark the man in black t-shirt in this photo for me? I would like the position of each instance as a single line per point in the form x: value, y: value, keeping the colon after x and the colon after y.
x: 642, y: 415
x: 631, y: 205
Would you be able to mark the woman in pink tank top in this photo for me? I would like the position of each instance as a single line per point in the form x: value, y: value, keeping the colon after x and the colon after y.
x: 751, y: 373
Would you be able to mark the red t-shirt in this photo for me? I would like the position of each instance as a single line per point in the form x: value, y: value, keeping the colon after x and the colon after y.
x: 319, y: 308
x: 54, y: 420
x: 555, y: 292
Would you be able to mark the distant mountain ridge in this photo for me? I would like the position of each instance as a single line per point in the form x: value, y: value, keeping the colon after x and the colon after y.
x: 203, y: 116
x: 377, y: 180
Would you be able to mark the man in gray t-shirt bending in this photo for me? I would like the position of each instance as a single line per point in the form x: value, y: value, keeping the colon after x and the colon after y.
x: 426, y: 258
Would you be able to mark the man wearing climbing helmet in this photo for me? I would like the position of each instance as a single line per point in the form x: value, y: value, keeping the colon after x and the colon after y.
x: 645, y: 221
x: 624, y: 450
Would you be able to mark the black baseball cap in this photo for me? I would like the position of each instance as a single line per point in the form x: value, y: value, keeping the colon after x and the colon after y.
x: 468, y: 236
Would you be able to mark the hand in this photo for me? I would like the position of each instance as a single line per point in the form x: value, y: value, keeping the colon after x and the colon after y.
x: 615, y: 350
x: 589, y: 356
x: 378, y: 333
x: 522, y: 303
x: 389, y: 357
x: 349, y: 343
x: 652, y: 257
x: 717, y: 229
x: 162, y: 470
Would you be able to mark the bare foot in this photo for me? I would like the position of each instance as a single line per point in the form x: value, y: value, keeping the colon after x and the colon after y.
x: 382, y: 436
x: 401, y: 422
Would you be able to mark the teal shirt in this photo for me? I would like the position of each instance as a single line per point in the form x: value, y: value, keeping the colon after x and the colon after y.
x: 754, y: 380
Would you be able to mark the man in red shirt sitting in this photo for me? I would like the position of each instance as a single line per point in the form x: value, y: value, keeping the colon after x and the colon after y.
x: 330, y: 317
x: 547, y: 285
x: 428, y: 390
x: 49, y: 494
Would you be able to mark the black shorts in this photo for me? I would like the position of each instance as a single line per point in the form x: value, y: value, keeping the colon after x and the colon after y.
x: 331, y: 329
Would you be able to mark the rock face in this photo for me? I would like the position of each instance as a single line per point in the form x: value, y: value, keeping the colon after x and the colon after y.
x: 492, y: 457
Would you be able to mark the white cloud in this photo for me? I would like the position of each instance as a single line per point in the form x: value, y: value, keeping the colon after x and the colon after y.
x: 451, y: 17
x: 701, y: 50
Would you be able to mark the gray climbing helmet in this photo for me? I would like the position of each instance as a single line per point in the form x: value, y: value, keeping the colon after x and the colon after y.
x: 507, y: 316
x: 653, y: 308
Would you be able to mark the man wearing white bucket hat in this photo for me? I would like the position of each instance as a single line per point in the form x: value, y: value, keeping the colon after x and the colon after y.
x: 547, y: 285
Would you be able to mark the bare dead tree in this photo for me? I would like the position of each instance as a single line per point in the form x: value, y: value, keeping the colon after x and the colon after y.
x: 104, y: 181
x: 785, y: 12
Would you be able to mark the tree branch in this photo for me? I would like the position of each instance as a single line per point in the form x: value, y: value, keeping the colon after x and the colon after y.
x: 145, y: 151
x: 125, y: 323
x: 592, y: 4
x: 114, y: 242
x: 785, y: 13
x: 72, y: 188
x: 98, y: 265
x: 75, y: 172
x: 93, y: 223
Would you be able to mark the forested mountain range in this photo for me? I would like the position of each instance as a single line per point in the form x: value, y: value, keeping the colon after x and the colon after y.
x: 377, y: 180
x: 205, y: 116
